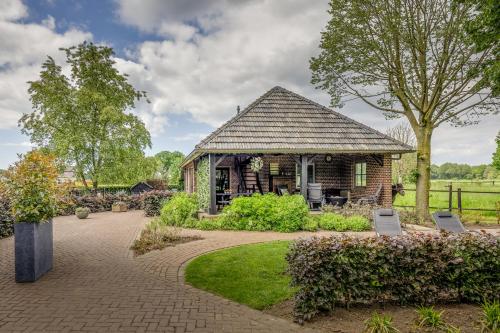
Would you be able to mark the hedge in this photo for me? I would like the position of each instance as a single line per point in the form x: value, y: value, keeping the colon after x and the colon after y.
x: 413, y: 269
x: 6, y: 219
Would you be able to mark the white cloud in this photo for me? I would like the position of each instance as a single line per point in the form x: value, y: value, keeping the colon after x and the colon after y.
x: 195, y: 137
x: 12, y: 10
x: 16, y: 144
x: 23, y: 48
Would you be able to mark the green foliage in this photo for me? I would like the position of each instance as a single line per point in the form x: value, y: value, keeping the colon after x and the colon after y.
x: 410, y: 269
x: 180, y: 210
x: 249, y: 274
x: 170, y: 166
x: 491, y: 317
x: 32, y: 189
x: 84, y: 118
x: 130, y: 171
x: 428, y: 317
x: 337, y: 222
x: 203, y: 183
x: 6, y: 219
x: 266, y: 212
x: 463, y: 171
x: 311, y: 223
x: 379, y: 323
x: 496, y: 154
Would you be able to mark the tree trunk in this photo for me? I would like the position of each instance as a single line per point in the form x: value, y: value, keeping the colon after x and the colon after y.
x: 424, y: 172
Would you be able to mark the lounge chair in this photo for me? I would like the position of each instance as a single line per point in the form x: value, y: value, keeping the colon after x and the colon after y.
x: 371, y: 199
x: 315, y: 195
x: 282, y: 189
x: 449, y: 222
x: 386, y: 221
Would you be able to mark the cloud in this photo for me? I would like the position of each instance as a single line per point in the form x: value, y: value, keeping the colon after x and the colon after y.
x: 16, y: 144
x: 23, y: 48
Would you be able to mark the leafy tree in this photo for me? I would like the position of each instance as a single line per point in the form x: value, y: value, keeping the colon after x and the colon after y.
x: 484, y: 30
x: 496, y: 154
x: 134, y: 169
x: 83, y: 118
x: 406, y: 58
x: 170, y: 166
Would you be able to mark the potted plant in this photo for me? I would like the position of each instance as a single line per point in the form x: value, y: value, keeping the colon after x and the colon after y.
x: 119, y: 206
x: 31, y: 187
x: 82, y: 212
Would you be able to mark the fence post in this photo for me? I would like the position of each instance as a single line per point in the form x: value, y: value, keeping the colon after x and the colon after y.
x: 450, y: 197
x: 459, y: 200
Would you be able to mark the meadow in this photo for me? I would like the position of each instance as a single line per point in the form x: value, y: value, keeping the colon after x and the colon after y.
x: 469, y: 200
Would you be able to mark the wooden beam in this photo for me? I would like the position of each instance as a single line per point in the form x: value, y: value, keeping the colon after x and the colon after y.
x: 211, y: 174
x: 303, y: 176
x: 297, y: 159
x: 220, y: 159
x: 378, y: 159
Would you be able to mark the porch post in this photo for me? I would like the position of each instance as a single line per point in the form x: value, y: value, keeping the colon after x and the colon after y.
x: 213, y: 203
x: 303, y: 176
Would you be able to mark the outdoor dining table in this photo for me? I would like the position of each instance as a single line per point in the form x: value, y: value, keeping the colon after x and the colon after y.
x: 336, y: 200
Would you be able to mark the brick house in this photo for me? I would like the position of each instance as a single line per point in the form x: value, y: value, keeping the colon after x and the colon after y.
x: 299, y: 142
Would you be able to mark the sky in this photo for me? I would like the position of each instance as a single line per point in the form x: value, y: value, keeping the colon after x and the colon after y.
x: 198, y: 60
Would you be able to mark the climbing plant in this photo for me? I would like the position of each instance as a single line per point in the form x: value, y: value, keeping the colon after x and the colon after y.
x: 202, y: 183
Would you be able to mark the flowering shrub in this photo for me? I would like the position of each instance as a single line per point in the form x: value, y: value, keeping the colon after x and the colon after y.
x: 31, y: 187
x: 413, y: 269
x: 265, y: 212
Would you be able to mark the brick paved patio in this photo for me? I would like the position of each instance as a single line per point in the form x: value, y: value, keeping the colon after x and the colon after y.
x: 97, y: 284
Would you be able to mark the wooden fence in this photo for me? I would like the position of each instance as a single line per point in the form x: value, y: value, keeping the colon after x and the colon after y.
x: 459, y: 207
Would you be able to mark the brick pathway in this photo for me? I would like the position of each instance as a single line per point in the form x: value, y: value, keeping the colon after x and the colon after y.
x: 97, y: 285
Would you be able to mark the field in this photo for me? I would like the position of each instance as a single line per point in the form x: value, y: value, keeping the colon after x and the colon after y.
x: 469, y: 200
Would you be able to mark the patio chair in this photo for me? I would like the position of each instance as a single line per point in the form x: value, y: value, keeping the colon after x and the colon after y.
x: 314, y: 195
x: 449, y: 222
x: 371, y: 199
x: 386, y: 221
x: 282, y: 189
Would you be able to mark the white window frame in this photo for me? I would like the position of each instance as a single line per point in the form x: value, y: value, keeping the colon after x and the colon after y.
x: 298, y: 169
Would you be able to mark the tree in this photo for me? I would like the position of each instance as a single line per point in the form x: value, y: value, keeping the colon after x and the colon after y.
x: 406, y: 58
x: 170, y: 166
x: 84, y: 118
x: 403, y: 169
x: 134, y: 169
x: 484, y: 30
x: 496, y: 154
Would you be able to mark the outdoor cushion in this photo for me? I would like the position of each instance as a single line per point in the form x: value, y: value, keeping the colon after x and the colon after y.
x: 385, y: 212
x: 445, y: 214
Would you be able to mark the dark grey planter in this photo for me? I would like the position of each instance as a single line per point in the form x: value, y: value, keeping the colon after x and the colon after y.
x: 34, y: 250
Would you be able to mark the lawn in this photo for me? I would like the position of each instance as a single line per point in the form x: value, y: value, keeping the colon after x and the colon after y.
x: 250, y: 274
x: 469, y: 200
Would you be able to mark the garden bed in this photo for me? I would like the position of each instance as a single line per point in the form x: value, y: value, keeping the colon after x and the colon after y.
x: 464, y: 316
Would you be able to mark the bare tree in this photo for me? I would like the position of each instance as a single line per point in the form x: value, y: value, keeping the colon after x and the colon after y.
x: 407, y: 58
x: 404, y: 167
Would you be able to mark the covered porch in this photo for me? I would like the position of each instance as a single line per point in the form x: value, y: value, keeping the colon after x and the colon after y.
x: 338, y: 177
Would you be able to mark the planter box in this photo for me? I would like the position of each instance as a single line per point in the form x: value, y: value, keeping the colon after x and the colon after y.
x: 33, y: 249
x: 119, y: 208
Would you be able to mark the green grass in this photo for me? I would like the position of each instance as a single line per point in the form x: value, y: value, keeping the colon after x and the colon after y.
x: 250, y: 274
x: 469, y: 200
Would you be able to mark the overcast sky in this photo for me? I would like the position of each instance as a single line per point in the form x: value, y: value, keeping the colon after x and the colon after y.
x: 197, y: 60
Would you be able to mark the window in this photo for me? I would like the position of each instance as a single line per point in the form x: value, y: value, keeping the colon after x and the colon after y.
x: 222, y: 180
x: 311, y: 174
x: 360, y: 174
x: 274, y: 169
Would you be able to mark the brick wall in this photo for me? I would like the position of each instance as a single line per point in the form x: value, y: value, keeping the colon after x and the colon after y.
x: 337, y: 174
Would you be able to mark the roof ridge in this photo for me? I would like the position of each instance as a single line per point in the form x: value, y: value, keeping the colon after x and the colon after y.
x: 346, y: 117
x: 238, y: 116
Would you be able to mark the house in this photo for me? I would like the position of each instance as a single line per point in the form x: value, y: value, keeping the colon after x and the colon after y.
x: 300, y: 142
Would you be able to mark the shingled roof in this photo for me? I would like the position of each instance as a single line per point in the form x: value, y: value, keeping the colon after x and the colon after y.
x: 281, y: 121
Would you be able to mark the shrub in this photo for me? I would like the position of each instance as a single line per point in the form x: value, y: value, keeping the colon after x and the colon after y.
x: 31, y: 187
x: 6, y: 219
x: 265, y: 212
x: 180, y: 210
x: 491, y: 317
x: 358, y: 223
x: 411, y: 269
x: 332, y: 221
x: 152, y: 201
x: 379, y: 324
x: 311, y: 224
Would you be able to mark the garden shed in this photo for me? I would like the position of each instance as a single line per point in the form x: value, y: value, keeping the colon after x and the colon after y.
x: 286, y: 143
